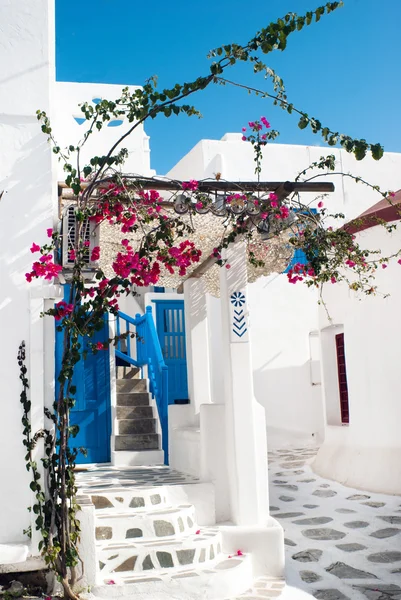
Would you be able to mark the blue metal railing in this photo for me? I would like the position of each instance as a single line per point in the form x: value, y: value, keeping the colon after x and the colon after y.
x: 148, y: 353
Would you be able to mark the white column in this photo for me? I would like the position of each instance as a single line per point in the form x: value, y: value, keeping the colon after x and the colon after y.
x: 197, y: 342
x: 245, y: 418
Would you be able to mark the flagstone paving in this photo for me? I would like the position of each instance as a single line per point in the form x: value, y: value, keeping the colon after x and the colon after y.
x: 340, y: 543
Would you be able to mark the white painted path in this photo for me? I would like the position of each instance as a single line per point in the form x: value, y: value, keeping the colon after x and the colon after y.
x: 341, y: 544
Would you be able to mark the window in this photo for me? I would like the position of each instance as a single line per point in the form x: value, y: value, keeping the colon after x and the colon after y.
x: 342, y: 378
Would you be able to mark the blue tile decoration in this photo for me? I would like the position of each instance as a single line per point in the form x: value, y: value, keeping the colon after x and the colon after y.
x: 239, y: 322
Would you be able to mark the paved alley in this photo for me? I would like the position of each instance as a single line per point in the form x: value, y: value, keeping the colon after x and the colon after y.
x: 341, y: 543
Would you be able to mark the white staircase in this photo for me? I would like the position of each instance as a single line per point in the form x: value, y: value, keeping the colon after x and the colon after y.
x: 148, y: 543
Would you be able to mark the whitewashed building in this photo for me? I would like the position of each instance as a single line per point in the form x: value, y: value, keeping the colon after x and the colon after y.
x: 285, y: 341
x: 361, y: 380
x: 218, y: 440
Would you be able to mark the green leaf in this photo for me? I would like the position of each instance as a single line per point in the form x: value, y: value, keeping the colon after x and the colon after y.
x: 303, y: 122
x: 377, y: 151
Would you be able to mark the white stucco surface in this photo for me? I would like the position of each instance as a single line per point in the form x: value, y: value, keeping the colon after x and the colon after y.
x: 365, y: 454
x: 26, y: 211
x: 68, y: 95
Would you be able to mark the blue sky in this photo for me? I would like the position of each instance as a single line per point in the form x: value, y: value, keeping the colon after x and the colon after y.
x: 344, y: 70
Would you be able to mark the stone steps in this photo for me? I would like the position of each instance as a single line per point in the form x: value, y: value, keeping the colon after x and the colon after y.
x: 134, y: 412
x: 126, y: 499
x: 148, y: 542
x: 217, y: 579
x: 150, y: 524
x: 133, y: 399
x: 131, y: 385
x: 157, y: 555
x: 137, y: 441
x: 128, y: 372
x: 136, y: 425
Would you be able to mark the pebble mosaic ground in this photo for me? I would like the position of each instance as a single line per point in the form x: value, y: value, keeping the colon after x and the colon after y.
x: 341, y: 544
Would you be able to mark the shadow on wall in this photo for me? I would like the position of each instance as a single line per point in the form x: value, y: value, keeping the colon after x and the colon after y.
x: 198, y: 305
x: 291, y: 419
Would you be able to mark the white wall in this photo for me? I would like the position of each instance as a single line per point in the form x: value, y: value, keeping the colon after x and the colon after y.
x: 366, y: 453
x: 26, y: 211
x: 67, y: 131
x: 284, y: 315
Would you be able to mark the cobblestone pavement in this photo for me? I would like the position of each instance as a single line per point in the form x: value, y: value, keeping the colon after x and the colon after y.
x: 341, y: 543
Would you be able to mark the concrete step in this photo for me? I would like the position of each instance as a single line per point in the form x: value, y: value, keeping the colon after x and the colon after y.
x: 131, y: 385
x: 133, y: 399
x: 146, y: 524
x: 221, y: 578
x: 128, y: 372
x: 129, y: 558
x: 138, y: 425
x: 134, y: 412
x: 127, y: 458
x: 138, y: 441
x: 123, y: 500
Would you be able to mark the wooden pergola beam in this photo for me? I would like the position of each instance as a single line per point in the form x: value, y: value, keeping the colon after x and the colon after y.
x: 226, y: 186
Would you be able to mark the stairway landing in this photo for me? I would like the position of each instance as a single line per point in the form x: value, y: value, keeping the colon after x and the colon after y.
x: 104, y: 477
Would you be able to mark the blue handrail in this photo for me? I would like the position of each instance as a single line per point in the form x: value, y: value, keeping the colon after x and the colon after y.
x: 149, y: 353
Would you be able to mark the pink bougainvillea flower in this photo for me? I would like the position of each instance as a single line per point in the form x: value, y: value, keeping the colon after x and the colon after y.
x: 103, y: 283
x: 228, y: 266
x: 95, y: 253
x: 320, y: 205
x: 392, y: 194
x: 110, y: 582
x: 384, y: 266
x: 244, y: 129
x: 191, y: 185
x: 240, y: 553
x: 100, y: 346
x: 87, y: 243
x: 243, y: 138
x: 197, y: 532
x: 265, y: 122
x: 273, y: 204
x: 34, y: 248
x: 28, y: 276
x: 284, y: 212
x: 263, y: 215
x: 399, y: 261
x: 63, y: 310
x: 333, y: 280
x: 49, y: 232
x: 251, y: 124
x: 72, y: 255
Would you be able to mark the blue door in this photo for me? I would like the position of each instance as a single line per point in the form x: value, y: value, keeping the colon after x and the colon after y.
x: 92, y: 408
x: 170, y: 325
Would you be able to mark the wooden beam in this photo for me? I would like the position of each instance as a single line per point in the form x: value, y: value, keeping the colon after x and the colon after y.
x: 230, y: 186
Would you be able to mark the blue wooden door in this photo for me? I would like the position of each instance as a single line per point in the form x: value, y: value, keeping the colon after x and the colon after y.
x: 92, y: 408
x: 170, y: 325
